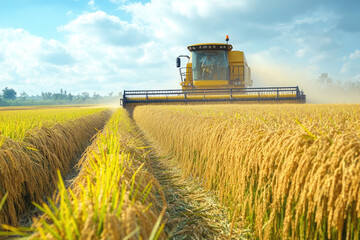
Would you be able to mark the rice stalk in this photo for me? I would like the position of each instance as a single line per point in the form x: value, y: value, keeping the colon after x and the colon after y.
x: 114, y: 195
x: 28, y: 167
x: 285, y: 169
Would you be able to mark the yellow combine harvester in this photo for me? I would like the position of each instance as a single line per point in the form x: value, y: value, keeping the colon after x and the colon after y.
x: 214, y: 73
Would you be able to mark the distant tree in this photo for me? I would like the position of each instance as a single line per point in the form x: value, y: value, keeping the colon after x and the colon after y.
x: 85, y: 95
x: 46, y: 95
x: 70, y: 96
x: 24, y: 95
x: 9, y: 93
x: 354, y: 85
x: 324, y: 79
x: 111, y: 94
x: 96, y: 96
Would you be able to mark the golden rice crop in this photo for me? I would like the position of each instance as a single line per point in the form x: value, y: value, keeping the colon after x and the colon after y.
x: 15, y: 123
x: 114, y: 196
x: 287, y: 171
x: 28, y: 167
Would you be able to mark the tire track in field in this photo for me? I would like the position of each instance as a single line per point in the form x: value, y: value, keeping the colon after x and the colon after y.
x: 192, y: 213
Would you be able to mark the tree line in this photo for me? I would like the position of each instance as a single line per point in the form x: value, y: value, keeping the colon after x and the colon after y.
x: 325, y: 81
x: 9, y: 97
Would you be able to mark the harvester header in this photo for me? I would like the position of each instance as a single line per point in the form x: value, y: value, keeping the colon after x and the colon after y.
x: 214, y: 73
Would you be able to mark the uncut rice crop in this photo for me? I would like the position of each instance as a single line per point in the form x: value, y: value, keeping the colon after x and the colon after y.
x: 15, y: 123
x: 114, y: 196
x: 28, y: 168
x: 286, y: 171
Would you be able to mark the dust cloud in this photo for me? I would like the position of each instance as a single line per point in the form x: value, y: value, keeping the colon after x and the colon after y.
x: 110, y: 104
x: 277, y: 76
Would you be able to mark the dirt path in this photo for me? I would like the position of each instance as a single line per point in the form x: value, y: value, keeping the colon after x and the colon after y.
x: 193, y: 213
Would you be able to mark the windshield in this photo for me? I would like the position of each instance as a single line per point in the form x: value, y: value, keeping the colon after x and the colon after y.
x: 210, y: 65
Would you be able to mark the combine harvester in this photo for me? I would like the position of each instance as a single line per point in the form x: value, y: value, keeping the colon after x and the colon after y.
x: 215, y: 73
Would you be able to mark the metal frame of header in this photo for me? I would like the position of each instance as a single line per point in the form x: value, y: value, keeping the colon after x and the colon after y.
x: 254, y: 94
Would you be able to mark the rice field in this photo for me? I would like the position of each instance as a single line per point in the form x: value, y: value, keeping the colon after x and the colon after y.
x: 43, y: 141
x: 15, y: 123
x: 114, y: 196
x: 285, y: 171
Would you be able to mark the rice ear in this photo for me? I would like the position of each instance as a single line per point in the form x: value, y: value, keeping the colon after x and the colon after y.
x: 290, y: 170
x: 28, y: 167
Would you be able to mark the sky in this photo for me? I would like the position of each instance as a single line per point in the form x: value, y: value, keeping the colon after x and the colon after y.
x: 111, y: 45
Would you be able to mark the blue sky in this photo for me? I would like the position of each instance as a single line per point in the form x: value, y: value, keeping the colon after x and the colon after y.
x: 110, y: 45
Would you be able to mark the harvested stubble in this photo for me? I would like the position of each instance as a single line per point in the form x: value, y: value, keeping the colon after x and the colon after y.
x: 288, y: 171
x: 28, y: 168
x: 113, y: 197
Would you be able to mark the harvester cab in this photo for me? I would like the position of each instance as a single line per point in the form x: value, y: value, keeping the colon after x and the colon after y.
x: 214, y: 73
x: 214, y: 66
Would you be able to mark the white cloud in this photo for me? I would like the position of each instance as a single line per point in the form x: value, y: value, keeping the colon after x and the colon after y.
x: 91, y: 3
x: 101, y: 28
x: 118, y: 1
x: 186, y: 21
x: 345, y: 67
x: 354, y: 55
x: 301, y: 52
x: 357, y: 77
x: 100, y: 53
x: 317, y: 58
x: 105, y: 52
x: 351, y: 64
x: 31, y: 62
x: 201, y: 8
x: 307, y: 34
